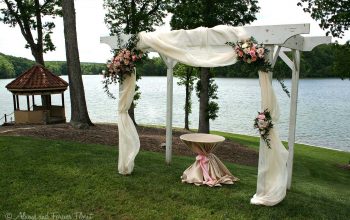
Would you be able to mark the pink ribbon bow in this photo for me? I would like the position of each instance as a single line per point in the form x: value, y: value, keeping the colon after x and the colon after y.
x: 203, y: 162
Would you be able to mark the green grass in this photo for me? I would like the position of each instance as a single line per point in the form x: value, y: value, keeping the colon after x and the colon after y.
x: 41, y: 177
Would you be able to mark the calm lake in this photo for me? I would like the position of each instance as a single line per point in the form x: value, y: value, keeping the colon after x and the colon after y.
x: 322, y: 119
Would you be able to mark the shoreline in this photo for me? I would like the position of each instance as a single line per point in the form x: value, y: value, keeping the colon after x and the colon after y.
x: 247, y: 135
x: 3, y: 131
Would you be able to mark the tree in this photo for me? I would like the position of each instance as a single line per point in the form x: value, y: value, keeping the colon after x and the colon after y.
x: 30, y: 15
x: 342, y: 60
x: 209, y: 13
x: 79, y: 114
x: 132, y: 17
x: 187, y: 76
x: 334, y: 16
x: 6, y: 68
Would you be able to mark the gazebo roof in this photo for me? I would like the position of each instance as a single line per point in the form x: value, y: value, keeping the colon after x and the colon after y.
x: 37, y: 79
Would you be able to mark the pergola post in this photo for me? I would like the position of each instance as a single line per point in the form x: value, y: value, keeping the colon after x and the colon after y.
x: 33, y: 101
x: 293, y: 114
x: 170, y: 63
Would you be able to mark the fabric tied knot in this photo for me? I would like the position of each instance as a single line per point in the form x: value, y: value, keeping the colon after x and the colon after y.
x: 203, y: 162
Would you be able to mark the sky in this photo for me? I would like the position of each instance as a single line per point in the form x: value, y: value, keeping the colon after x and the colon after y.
x: 91, y: 26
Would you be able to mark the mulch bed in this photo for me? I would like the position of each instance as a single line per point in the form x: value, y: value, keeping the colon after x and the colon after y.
x: 151, y: 139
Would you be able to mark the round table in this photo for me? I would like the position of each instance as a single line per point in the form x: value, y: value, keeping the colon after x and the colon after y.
x: 202, y: 144
x: 207, y: 169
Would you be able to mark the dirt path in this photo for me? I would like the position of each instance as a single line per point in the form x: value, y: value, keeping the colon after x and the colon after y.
x: 151, y: 139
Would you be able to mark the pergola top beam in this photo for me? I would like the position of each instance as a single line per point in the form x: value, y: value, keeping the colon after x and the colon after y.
x: 269, y: 34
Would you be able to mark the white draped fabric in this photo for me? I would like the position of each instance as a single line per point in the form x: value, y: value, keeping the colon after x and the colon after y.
x: 129, y: 142
x: 205, y: 47
x: 272, y: 170
x: 200, y: 47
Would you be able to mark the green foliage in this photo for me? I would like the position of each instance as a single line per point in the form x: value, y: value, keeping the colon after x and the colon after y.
x: 152, y: 67
x: 189, y: 14
x: 334, y: 16
x: 186, y: 75
x: 6, y: 68
x: 342, y: 60
x: 213, y: 107
x: 39, y: 176
x: 131, y: 17
x: 32, y: 15
x: 20, y: 65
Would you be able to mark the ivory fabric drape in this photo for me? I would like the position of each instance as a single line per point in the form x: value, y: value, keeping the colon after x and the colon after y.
x: 129, y: 142
x: 200, y: 47
x: 272, y: 170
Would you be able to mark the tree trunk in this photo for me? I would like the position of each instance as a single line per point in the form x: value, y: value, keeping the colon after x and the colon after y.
x: 38, y: 55
x: 79, y: 114
x: 131, y: 112
x: 203, y: 126
x: 39, y: 59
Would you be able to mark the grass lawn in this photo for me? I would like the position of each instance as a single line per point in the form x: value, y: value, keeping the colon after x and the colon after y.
x: 59, y: 179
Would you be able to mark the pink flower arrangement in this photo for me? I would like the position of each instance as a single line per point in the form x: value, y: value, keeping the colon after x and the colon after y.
x: 123, y: 63
x: 249, y: 51
x: 263, y: 122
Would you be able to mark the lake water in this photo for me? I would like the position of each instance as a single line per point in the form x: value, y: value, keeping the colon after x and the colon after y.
x: 323, y: 117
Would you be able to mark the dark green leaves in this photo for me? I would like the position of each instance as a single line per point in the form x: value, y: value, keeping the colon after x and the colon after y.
x: 333, y: 16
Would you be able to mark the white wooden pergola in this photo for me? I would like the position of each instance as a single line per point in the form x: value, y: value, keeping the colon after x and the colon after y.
x: 278, y: 39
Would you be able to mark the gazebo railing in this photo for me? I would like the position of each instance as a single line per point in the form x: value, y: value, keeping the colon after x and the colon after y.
x: 5, y: 119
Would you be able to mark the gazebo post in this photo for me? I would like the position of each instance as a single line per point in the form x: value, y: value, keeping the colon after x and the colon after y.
x: 33, y: 100
x: 170, y: 63
x: 17, y: 102
x: 62, y: 95
x: 28, y: 105
x: 293, y: 114
x: 14, y: 103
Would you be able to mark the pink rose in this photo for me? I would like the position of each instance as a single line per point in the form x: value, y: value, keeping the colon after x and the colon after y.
x: 260, y: 52
x: 261, y: 117
x: 240, y: 53
x: 134, y: 57
x: 252, y: 53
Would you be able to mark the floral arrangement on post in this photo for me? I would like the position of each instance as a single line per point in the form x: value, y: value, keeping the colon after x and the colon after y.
x: 249, y: 51
x: 123, y: 63
x: 263, y: 122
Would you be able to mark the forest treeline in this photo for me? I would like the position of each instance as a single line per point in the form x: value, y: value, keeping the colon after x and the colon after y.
x: 317, y: 63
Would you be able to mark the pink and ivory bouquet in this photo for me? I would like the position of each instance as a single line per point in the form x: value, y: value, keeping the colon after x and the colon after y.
x: 263, y: 122
x: 122, y: 64
x: 249, y: 51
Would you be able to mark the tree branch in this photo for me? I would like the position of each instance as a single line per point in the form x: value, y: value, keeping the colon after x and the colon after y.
x: 155, y: 8
x: 39, y: 28
x: 24, y: 30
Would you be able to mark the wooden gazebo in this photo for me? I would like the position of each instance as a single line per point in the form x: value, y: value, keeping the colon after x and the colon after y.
x: 38, y: 81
